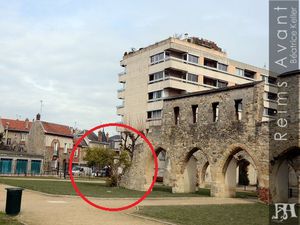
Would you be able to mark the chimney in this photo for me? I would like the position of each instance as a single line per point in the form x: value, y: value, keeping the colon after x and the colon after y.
x: 38, y: 116
x: 100, y: 135
x: 27, y: 123
x: 107, y: 137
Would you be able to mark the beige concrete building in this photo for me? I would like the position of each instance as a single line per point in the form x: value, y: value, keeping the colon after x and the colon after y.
x: 176, y: 66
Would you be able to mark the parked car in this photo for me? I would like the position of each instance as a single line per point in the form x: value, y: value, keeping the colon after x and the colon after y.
x: 104, y: 172
x: 81, y: 171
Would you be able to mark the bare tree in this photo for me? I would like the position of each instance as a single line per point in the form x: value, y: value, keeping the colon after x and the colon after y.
x: 131, y: 139
x: 1, y: 139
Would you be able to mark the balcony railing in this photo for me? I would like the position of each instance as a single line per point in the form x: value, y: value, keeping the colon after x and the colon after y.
x: 121, y: 90
x: 122, y: 73
x: 120, y: 106
x: 167, y: 58
x: 180, y: 80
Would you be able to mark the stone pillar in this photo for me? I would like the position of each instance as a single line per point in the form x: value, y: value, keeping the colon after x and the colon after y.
x: 29, y: 167
x: 230, y: 179
x: 178, y: 186
x: 13, y: 166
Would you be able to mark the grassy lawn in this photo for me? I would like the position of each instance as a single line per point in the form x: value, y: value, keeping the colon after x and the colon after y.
x: 252, y: 214
x: 94, y: 189
x: 54, y: 177
x: 7, y: 220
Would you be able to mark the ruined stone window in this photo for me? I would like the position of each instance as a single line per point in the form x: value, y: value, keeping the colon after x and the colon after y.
x: 271, y: 96
x: 238, y: 109
x: 176, y: 115
x: 195, y: 113
x: 66, y: 148
x: 162, y: 156
x: 8, y: 141
x: 269, y: 112
x: 215, y: 107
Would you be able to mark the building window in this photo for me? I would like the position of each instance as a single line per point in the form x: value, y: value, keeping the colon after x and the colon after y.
x: 23, y: 137
x: 249, y: 74
x: 55, y: 149
x: 210, y: 63
x: 222, y: 66
x: 155, y: 95
x: 176, y: 115
x: 239, y: 72
x: 192, y: 77
x: 269, y: 80
x: 157, y: 58
x: 221, y: 83
x: 270, y: 112
x: 8, y: 141
x: 195, y: 113
x: 66, y: 148
x: 209, y: 81
x: 271, y: 96
x: 238, y: 109
x: 76, y: 153
x: 193, y: 59
x: 215, y: 107
x: 156, y: 76
x: 156, y: 114
x: 214, y: 82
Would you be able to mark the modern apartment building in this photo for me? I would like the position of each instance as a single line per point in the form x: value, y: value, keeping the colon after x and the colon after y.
x: 176, y: 66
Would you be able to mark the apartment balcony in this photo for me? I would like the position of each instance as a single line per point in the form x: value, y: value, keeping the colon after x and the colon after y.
x: 155, y: 104
x: 170, y: 62
x: 153, y: 122
x: 121, y: 93
x: 122, y: 77
x: 120, y: 110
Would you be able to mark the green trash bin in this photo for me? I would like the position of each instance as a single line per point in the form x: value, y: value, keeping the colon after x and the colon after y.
x: 13, y: 201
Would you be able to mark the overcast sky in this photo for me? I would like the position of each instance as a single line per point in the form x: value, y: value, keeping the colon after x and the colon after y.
x: 67, y: 52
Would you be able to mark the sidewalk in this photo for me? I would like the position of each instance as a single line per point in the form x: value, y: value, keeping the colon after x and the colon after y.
x: 44, y: 209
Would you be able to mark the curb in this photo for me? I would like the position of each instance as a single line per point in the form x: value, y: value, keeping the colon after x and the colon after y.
x: 150, y: 219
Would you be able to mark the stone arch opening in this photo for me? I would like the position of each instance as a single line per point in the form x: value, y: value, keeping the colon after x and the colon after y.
x: 236, y: 171
x: 285, y: 183
x: 194, y: 168
x: 205, y: 176
x: 163, y: 167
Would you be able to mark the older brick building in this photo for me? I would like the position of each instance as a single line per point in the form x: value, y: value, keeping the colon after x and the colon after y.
x: 15, y: 157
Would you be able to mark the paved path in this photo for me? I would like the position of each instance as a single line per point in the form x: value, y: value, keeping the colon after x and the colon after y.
x: 44, y: 209
x: 57, y: 179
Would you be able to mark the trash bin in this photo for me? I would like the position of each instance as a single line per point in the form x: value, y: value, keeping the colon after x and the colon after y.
x: 13, y: 200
